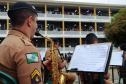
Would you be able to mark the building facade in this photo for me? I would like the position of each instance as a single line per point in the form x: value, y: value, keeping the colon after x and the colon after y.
x: 67, y: 20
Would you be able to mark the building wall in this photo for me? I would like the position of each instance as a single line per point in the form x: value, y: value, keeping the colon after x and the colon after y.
x: 69, y: 27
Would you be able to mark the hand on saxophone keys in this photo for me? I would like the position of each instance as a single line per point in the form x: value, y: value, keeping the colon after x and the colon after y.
x: 62, y: 64
x: 47, y: 63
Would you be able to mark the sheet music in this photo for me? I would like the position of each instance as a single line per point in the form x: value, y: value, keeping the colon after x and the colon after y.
x: 91, y: 58
x: 116, y: 59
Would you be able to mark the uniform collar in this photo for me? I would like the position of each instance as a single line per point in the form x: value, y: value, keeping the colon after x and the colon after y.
x: 19, y: 34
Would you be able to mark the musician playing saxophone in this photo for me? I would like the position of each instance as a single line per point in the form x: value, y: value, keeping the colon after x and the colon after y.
x: 70, y: 77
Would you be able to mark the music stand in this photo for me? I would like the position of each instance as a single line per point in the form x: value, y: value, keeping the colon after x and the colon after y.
x: 91, y: 58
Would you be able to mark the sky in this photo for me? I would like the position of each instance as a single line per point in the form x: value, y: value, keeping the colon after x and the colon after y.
x: 97, y: 1
x: 108, y: 2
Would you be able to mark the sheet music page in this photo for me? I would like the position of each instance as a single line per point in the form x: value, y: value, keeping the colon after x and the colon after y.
x: 116, y: 59
x: 91, y: 58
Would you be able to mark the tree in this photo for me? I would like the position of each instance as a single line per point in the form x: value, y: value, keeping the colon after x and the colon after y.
x: 116, y: 30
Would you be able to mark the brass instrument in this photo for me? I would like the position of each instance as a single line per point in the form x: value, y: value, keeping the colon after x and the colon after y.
x: 57, y: 76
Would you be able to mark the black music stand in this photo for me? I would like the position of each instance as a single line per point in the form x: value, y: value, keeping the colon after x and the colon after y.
x: 93, y: 58
x: 116, y: 61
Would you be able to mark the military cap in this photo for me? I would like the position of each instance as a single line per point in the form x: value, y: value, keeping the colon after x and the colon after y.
x: 19, y: 6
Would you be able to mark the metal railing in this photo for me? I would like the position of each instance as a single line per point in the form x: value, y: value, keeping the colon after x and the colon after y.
x: 3, y: 33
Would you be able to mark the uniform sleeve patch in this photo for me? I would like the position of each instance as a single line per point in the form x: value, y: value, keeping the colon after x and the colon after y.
x: 35, y: 77
x: 32, y: 57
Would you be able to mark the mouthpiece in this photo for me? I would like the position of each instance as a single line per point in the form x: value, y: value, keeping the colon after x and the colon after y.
x: 37, y: 34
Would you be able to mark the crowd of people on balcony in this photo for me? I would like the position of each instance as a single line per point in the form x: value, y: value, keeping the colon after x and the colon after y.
x: 2, y: 25
x: 54, y: 26
x: 41, y: 25
x: 72, y: 27
x: 72, y: 42
x: 68, y: 43
x: 100, y: 12
x: 55, y: 10
x: 68, y: 11
x: 87, y: 11
x: 68, y: 26
x: 88, y: 27
x: 68, y: 56
x: 75, y: 11
x: 71, y: 11
x: 40, y: 9
x: 100, y: 27
x: 3, y: 8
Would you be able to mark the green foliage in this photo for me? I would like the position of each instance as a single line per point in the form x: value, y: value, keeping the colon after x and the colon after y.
x: 116, y: 30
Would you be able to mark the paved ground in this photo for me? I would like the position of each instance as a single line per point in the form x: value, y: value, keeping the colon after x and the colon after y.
x: 116, y: 77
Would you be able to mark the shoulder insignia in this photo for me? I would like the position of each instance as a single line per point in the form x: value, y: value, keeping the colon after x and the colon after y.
x: 35, y: 77
x: 32, y: 57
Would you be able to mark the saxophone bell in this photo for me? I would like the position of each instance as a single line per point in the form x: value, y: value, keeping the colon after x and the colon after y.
x: 62, y: 79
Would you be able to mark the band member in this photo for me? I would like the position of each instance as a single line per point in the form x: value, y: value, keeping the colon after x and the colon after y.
x: 18, y: 56
x: 70, y: 77
x: 91, y: 38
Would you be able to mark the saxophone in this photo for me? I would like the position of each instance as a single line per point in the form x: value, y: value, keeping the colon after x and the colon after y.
x: 57, y: 76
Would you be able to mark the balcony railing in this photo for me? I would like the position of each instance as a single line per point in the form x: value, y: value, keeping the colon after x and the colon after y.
x: 3, y: 15
x: 62, y: 50
x: 41, y: 16
x: 103, y: 19
x: 59, y: 17
x: 67, y: 50
x: 3, y: 33
x: 54, y: 33
x: 54, y: 17
x: 100, y: 34
x: 86, y: 18
x: 71, y: 18
x: 71, y: 34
